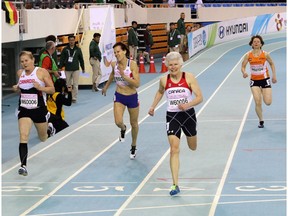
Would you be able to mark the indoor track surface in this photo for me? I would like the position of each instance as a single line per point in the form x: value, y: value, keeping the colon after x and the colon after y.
x: 237, y: 170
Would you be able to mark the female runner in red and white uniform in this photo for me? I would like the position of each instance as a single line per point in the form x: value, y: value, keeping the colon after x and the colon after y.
x: 179, y: 88
x: 260, y: 79
x: 126, y: 75
x: 34, y: 83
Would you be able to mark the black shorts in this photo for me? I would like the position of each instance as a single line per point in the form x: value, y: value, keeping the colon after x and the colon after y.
x: 58, y: 123
x: 38, y: 115
x: 186, y: 120
x: 265, y: 83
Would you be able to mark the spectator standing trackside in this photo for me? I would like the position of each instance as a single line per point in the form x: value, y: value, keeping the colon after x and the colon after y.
x: 148, y: 40
x: 182, y: 30
x: 71, y: 57
x: 54, y: 55
x: 133, y: 40
x: 174, y: 38
x: 95, y: 59
x: 46, y: 61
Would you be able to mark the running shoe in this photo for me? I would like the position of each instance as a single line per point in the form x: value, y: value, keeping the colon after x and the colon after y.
x: 22, y: 171
x: 133, y: 152
x: 51, y: 131
x: 122, y: 135
x: 174, y: 190
x: 261, y: 124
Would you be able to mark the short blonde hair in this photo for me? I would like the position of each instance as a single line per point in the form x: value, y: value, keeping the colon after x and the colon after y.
x: 173, y: 56
x: 28, y: 53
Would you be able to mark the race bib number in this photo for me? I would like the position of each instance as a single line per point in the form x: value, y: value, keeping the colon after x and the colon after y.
x: 29, y: 101
x: 257, y: 69
x: 173, y: 103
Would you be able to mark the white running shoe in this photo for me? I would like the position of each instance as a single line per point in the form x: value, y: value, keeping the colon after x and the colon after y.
x: 51, y: 131
x: 22, y: 171
x: 133, y: 152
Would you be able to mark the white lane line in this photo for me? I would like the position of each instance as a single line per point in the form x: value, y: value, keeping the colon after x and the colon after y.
x: 204, y: 204
x: 126, y: 203
x: 141, y: 185
x: 111, y: 109
x: 108, y: 147
x: 152, y: 195
x: 229, y: 161
x: 74, y: 174
x: 57, y: 141
x: 163, y: 207
x: 256, y: 182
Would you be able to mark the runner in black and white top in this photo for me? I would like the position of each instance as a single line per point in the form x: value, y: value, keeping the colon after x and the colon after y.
x: 34, y: 83
x: 183, y: 93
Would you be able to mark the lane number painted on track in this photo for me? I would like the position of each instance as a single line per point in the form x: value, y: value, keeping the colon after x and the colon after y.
x: 249, y: 188
x: 21, y: 188
x: 101, y: 189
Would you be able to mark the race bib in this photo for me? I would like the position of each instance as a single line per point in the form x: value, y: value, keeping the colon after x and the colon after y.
x: 173, y: 104
x: 257, y: 69
x: 29, y: 101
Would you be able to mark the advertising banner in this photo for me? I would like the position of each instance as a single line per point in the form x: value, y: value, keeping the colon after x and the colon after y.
x: 229, y: 30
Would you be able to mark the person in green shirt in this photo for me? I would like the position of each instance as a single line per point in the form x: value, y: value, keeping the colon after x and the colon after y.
x: 133, y: 40
x: 71, y: 57
x: 95, y: 59
x: 174, y: 38
x: 47, y: 62
x: 54, y: 55
x: 182, y: 30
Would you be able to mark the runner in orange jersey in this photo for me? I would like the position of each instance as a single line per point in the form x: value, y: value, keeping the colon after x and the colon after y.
x: 260, y: 80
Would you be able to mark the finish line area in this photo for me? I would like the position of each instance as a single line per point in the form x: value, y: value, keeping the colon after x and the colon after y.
x: 238, y: 169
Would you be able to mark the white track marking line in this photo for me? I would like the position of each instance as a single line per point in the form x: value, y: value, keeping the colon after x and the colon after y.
x: 164, y: 207
x: 229, y: 161
x: 141, y: 185
x: 60, y: 139
x: 111, y: 109
x: 108, y: 147
x: 153, y: 195
x: 74, y: 174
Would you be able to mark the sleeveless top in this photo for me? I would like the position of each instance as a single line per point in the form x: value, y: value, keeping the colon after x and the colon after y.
x: 177, y: 93
x: 258, y: 66
x: 30, y: 97
x: 120, y: 80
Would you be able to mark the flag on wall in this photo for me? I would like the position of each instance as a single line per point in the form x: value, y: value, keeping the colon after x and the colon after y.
x: 11, y: 12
